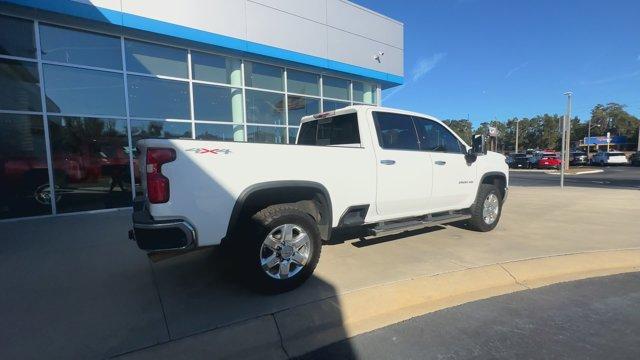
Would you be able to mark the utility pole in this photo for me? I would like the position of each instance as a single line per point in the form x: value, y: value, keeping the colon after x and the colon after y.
x: 638, y: 138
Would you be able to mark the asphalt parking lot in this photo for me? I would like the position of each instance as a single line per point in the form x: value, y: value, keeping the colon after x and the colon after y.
x: 588, y: 319
x: 615, y: 177
x: 76, y: 287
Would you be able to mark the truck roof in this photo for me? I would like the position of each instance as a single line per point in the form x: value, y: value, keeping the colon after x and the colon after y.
x: 351, y: 108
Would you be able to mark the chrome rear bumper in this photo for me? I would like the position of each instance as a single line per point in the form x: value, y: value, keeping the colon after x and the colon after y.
x: 160, y: 235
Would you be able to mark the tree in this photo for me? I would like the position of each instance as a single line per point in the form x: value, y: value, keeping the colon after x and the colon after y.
x: 615, y: 119
x: 462, y: 127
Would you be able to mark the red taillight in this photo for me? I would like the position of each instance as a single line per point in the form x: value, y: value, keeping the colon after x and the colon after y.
x: 158, y: 184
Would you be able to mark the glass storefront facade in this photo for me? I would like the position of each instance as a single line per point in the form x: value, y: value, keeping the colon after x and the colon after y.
x: 73, y: 103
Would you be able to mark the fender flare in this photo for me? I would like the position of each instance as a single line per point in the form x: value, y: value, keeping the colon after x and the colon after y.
x: 495, y: 173
x: 325, y: 229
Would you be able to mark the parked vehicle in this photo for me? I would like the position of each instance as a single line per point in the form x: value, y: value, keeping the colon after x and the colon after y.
x: 549, y: 160
x: 603, y: 158
x: 536, y: 156
x: 379, y: 170
x: 518, y: 161
x: 635, y: 159
x: 577, y: 158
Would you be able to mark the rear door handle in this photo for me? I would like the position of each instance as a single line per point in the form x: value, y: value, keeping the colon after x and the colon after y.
x: 387, y: 162
x: 440, y: 162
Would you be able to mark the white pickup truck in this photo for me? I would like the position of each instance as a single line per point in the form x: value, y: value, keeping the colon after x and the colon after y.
x: 378, y: 169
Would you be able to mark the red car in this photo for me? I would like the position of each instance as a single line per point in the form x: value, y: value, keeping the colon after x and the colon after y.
x: 549, y: 161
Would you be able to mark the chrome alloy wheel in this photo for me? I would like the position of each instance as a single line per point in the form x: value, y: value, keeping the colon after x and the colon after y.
x: 285, y: 251
x: 490, y: 209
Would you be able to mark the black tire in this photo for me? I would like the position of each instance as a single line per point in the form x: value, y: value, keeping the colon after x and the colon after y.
x: 477, y: 221
x: 249, y: 246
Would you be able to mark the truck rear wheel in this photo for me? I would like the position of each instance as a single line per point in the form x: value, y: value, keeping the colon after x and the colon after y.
x: 281, y: 248
x: 486, y: 211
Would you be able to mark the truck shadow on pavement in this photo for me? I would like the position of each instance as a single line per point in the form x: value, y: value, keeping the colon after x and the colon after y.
x: 202, y: 291
x: 98, y: 296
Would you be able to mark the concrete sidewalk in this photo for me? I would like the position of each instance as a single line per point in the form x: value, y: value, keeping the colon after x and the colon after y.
x: 75, y: 287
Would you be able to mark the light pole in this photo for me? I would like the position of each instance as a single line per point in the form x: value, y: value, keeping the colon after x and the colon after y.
x: 565, y: 159
x: 517, y: 133
x: 565, y: 139
x: 589, y: 137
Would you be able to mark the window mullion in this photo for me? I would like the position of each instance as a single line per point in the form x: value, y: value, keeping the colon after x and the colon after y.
x: 47, y: 140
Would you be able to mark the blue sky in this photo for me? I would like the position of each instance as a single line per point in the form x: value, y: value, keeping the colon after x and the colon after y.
x: 504, y: 58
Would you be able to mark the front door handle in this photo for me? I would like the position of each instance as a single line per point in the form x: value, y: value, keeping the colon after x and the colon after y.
x: 440, y: 162
x: 387, y: 162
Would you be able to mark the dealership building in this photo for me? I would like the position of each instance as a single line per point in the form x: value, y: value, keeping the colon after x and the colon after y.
x: 82, y: 80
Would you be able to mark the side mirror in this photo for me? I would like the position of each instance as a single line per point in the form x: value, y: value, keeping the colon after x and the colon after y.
x: 471, y: 156
x: 479, y: 145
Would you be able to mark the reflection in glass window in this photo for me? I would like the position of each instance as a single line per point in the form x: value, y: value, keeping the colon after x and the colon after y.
x: 300, y: 82
x: 265, y: 107
x: 335, y: 88
x: 145, y: 129
x: 336, y: 130
x: 19, y: 86
x: 158, y: 98
x: 395, y: 131
x: 147, y: 58
x: 216, y: 68
x: 435, y: 137
x: 90, y: 163
x: 301, y: 106
x: 217, y: 103
x: 266, y: 134
x: 329, y: 105
x: 364, y: 92
x: 24, y: 178
x: 81, y: 91
x: 293, y: 133
x: 263, y: 76
x: 80, y: 47
x: 308, y: 132
x: 219, y: 132
x: 16, y: 37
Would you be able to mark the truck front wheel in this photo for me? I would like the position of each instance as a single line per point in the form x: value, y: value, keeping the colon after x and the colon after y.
x: 282, y: 249
x: 486, y: 211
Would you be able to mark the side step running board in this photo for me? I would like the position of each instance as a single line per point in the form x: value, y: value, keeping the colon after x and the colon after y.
x: 398, y: 226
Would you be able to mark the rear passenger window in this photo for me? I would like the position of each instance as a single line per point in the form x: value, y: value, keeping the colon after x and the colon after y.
x: 435, y: 137
x: 395, y: 131
x: 336, y: 130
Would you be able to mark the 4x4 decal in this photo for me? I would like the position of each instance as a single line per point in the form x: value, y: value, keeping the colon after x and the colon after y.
x: 209, y: 151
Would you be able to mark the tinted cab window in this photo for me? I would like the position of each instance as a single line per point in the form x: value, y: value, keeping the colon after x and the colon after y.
x: 395, y: 131
x: 336, y: 130
x: 435, y: 137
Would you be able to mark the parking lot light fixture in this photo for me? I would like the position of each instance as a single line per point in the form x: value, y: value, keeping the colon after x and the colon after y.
x: 589, y: 127
x: 565, y: 139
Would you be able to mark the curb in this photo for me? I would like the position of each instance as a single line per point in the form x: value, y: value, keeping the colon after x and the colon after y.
x: 577, y: 173
x: 307, y: 327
